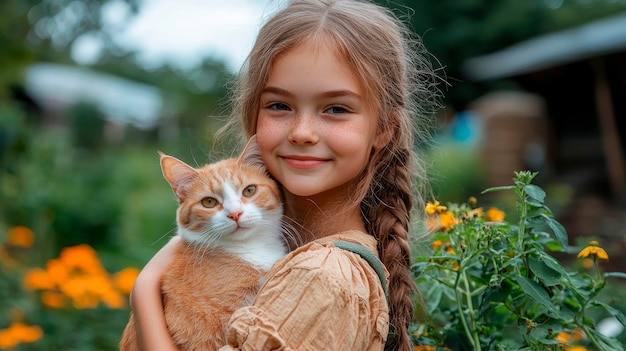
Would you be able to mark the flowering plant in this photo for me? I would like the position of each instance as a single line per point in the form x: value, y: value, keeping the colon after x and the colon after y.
x: 72, y: 303
x: 492, y: 285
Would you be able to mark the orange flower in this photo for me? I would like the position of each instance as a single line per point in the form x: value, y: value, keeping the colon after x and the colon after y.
x: 76, y: 286
x: 85, y: 301
x: 53, y: 299
x: 494, y: 215
x: 38, y: 279
x: 113, y: 299
x: 568, y: 338
x: 437, y: 244
x: 575, y: 348
x: 20, y: 236
x: 58, y: 271
x: 446, y: 220
x: 594, y: 250
x: 424, y: 348
x: 82, y: 257
x: 18, y: 333
x: 125, y: 279
x: 449, y: 249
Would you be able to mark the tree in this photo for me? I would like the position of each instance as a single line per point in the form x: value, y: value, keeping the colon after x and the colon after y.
x: 32, y: 30
x: 454, y: 31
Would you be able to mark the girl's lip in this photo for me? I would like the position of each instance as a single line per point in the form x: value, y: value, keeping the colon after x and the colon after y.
x: 303, y: 162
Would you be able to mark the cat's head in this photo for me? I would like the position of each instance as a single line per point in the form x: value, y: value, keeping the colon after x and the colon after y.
x: 230, y: 200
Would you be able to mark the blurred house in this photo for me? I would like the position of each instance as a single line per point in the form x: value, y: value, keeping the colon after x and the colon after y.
x: 578, y: 115
x: 120, y: 101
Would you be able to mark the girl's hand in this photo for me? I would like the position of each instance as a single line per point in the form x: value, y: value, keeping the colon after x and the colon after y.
x: 147, y: 303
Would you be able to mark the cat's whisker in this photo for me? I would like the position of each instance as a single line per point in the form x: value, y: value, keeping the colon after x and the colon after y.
x: 163, y: 236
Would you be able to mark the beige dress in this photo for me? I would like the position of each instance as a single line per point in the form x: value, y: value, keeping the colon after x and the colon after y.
x: 318, y: 297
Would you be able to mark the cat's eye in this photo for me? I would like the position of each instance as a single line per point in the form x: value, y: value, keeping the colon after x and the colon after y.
x: 209, y: 202
x: 249, y: 190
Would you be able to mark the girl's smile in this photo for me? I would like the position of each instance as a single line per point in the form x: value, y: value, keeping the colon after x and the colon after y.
x: 303, y: 161
x: 315, y: 129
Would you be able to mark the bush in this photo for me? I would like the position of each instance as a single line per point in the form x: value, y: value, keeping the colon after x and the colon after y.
x: 492, y: 285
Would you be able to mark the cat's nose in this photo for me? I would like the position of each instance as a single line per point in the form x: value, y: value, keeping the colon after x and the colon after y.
x: 234, y: 215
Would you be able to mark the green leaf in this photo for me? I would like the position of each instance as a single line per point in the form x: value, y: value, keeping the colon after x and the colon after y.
x: 433, y: 297
x: 534, y: 290
x: 559, y: 231
x: 535, y: 192
x: 610, y: 344
x: 553, y: 264
x: 546, y: 275
x: 554, y: 246
x: 612, y: 311
x: 498, y: 188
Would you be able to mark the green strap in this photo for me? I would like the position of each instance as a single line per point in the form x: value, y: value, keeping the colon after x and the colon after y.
x: 367, y: 255
x: 375, y: 263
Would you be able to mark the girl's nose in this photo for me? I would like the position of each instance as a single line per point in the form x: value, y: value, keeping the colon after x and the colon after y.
x: 303, y: 130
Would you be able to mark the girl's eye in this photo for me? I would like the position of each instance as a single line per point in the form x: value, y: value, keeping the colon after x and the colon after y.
x: 249, y: 190
x: 209, y: 202
x: 337, y: 110
x: 278, y: 106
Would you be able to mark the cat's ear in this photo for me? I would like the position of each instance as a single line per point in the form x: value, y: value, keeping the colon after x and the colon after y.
x: 251, y: 153
x: 178, y: 174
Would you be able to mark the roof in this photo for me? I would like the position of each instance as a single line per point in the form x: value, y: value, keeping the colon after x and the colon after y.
x: 591, y: 40
x: 119, y: 99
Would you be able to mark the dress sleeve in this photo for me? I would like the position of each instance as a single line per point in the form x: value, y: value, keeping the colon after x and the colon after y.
x: 323, y: 298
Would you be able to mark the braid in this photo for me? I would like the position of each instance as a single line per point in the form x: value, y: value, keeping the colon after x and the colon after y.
x: 387, y: 208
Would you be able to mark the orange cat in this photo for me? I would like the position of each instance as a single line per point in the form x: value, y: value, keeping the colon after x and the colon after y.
x: 229, y: 219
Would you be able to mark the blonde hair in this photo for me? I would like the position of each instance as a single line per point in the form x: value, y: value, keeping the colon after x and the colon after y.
x: 401, y: 84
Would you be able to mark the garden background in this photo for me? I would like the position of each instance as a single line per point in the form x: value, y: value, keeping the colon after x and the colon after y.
x: 83, y: 204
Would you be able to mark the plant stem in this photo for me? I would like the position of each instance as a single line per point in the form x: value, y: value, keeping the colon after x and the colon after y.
x: 592, y: 338
x: 470, y: 331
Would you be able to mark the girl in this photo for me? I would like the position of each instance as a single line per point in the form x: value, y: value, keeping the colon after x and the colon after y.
x: 330, y: 90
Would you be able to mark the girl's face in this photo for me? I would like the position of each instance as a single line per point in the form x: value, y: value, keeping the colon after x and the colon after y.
x: 315, y: 130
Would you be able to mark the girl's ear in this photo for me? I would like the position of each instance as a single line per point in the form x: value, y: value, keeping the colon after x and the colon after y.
x: 251, y: 153
x: 178, y: 174
x: 382, y: 138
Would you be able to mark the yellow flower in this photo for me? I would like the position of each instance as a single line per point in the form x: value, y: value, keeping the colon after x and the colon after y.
x: 593, y: 249
x: 20, y: 236
x: 494, y: 215
x: 434, y: 207
x: 475, y: 213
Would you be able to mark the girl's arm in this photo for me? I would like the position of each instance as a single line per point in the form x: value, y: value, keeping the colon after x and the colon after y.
x: 147, y: 303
